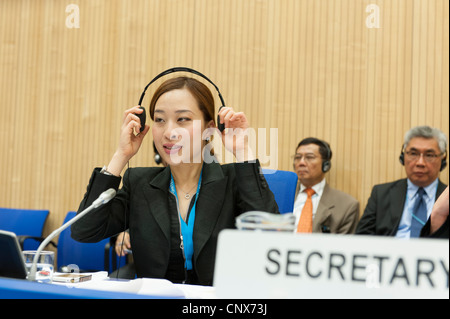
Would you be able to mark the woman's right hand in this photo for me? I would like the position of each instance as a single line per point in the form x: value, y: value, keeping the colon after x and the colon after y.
x: 129, y: 142
x: 122, y: 244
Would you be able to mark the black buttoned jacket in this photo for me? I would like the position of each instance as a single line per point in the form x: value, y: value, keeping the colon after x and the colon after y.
x: 142, y: 206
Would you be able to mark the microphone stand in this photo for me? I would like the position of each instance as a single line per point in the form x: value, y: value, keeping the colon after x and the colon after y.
x: 104, y: 197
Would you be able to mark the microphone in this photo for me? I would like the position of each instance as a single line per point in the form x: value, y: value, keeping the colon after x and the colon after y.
x: 104, y: 197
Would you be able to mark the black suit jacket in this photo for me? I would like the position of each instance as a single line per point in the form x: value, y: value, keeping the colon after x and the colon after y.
x: 385, y: 208
x: 142, y: 206
x: 442, y: 232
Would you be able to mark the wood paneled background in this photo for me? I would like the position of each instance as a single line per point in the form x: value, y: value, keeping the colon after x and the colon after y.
x: 307, y: 67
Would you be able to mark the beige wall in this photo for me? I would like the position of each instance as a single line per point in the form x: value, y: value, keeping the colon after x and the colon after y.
x: 306, y: 67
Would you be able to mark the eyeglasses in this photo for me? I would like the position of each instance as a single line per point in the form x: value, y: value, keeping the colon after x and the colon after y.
x: 308, y: 158
x: 428, y: 157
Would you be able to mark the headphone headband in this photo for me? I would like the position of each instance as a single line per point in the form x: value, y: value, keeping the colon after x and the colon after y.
x: 181, y: 69
x: 327, y: 147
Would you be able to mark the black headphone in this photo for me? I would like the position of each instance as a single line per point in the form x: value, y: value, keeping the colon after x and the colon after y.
x: 143, y: 116
x: 401, y: 158
x: 326, y: 164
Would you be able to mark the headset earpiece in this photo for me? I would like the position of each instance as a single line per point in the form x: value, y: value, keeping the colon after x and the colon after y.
x: 220, y: 126
x: 444, y: 162
x: 401, y: 158
x: 142, y: 117
x: 326, y: 164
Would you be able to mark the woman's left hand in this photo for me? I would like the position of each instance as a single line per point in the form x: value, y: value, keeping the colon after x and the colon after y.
x: 235, y: 135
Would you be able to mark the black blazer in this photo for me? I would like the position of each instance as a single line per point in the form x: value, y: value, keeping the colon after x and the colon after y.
x: 141, y: 206
x: 385, y: 208
x: 442, y: 232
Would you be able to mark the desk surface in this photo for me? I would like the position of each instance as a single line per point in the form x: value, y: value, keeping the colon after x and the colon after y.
x: 23, y: 289
x: 143, y: 288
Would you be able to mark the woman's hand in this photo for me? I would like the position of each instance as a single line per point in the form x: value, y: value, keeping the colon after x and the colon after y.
x: 235, y: 135
x: 125, y: 238
x: 129, y: 142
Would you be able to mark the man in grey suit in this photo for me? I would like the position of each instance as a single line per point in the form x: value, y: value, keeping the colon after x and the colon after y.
x: 333, y: 211
x: 393, y: 208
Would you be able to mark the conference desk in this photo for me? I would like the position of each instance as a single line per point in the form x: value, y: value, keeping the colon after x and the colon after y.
x: 104, y: 288
x: 276, y: 265
x: 23, y: 289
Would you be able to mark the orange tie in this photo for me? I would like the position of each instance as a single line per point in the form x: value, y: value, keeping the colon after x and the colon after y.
x: 306, y: 218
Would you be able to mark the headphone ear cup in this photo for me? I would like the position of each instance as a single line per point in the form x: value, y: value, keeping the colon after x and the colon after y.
x: 443, y: 163
x: 402, y: 158
x: 220, y: 126
x: 142, y: 117
x: 326, y: 166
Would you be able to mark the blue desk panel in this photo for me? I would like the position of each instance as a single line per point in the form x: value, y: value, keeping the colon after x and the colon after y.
x: 23, y: 289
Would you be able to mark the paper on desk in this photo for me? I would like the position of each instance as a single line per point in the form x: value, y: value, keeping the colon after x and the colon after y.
x: 160, y: 288
x: 144, y: 286
x: 197, y: 292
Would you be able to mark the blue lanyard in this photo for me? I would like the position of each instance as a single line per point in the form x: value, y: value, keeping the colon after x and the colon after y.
x: 187, y: 229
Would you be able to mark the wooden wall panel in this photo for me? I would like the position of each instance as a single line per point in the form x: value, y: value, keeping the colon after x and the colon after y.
x: 307, y: 68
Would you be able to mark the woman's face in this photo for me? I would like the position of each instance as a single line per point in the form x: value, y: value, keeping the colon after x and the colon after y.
x: 178, y: 126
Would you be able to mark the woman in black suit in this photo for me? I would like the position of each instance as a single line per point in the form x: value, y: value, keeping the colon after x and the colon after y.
x: 174, y: 214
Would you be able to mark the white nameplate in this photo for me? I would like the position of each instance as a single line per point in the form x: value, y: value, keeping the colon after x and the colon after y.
x: 252, y: 264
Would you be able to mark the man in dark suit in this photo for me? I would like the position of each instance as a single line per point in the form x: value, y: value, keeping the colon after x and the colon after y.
x: 392, y: 209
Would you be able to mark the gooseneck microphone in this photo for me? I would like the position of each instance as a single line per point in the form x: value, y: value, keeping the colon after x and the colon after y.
x: 104, y: 197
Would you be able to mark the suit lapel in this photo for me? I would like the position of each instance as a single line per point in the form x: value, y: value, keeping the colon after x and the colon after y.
x: 156, y: 194
x: 324, y: 208
x: 208, y: 208
x: 209, y: 205
x: 397, y: 197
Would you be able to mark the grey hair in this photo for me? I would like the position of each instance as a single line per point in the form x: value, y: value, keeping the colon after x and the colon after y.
x: 427, y: 132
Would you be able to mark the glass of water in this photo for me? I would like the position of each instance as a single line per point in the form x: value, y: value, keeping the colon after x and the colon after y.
x: 45, y: 264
